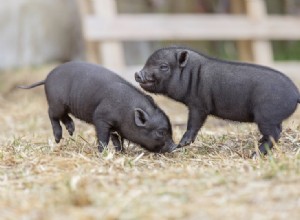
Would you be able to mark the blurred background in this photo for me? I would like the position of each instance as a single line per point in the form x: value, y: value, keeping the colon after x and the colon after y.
x: 121, y: 34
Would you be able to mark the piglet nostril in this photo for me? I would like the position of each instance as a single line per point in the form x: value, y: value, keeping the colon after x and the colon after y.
x: 138, y: 77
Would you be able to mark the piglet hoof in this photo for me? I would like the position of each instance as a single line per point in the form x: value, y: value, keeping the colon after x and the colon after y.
x: 179, y: 146
x: 57, y: 136
x: 57, y: 140
x: 184, y: 143
x: 120, y: 149
x: 100, y: 148
x: 187, y: 139
x: 70, y: 132
x: 70, y: 128
x: 254, y: 156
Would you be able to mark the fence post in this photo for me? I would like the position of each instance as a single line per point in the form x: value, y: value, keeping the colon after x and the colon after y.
x: 85, y: 7
x: 110, y: 52
x: 244, y: 47
x: 262, y: 49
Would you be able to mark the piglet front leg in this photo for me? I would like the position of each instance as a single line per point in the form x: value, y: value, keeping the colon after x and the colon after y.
x: 117, y: 141
x: 195, y: 121
x: 103, y: 133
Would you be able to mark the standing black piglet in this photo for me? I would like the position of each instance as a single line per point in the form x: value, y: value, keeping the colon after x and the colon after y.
x: 229, y: 90
x: 100, y: 97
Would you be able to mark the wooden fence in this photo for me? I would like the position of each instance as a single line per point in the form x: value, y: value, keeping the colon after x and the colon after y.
x: 104, y: 29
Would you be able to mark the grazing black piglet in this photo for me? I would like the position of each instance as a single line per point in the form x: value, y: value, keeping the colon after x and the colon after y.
x: 100, y: 97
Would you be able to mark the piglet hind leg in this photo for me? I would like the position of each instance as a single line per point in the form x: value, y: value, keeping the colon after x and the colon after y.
x: 57, y: 130
x: 269, y: 132
x: 68, y: 122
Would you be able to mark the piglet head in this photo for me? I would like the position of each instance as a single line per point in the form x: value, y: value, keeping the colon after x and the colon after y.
x: 154, y: 131
x: 160, y: 68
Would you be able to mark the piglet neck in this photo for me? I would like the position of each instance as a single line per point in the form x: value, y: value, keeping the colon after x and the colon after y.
x: 185, y: 84
x: 176, y: 89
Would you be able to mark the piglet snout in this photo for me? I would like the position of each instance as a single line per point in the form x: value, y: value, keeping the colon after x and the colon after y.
x: 139, y: 77
x: 168, y: 148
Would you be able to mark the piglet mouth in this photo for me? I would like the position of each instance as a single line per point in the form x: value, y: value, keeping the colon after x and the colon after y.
x: 167, y: 148
x: 147, y: 84
x: 144, y: 80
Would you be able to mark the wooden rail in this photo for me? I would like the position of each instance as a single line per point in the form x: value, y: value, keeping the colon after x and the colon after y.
x: 190, y: 27
x: 252, y: 30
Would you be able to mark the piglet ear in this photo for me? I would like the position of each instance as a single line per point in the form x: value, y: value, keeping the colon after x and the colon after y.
x: 182, y: 58
x: 140, y: 117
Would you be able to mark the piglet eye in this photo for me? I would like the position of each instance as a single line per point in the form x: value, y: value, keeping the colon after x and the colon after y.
x: 164, y: 67
x: 160, y: 133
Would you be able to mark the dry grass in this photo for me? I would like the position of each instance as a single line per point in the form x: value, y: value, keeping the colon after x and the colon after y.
x: 212, y: 179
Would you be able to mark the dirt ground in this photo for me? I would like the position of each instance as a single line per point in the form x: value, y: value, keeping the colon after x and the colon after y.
x: 211, y: 179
